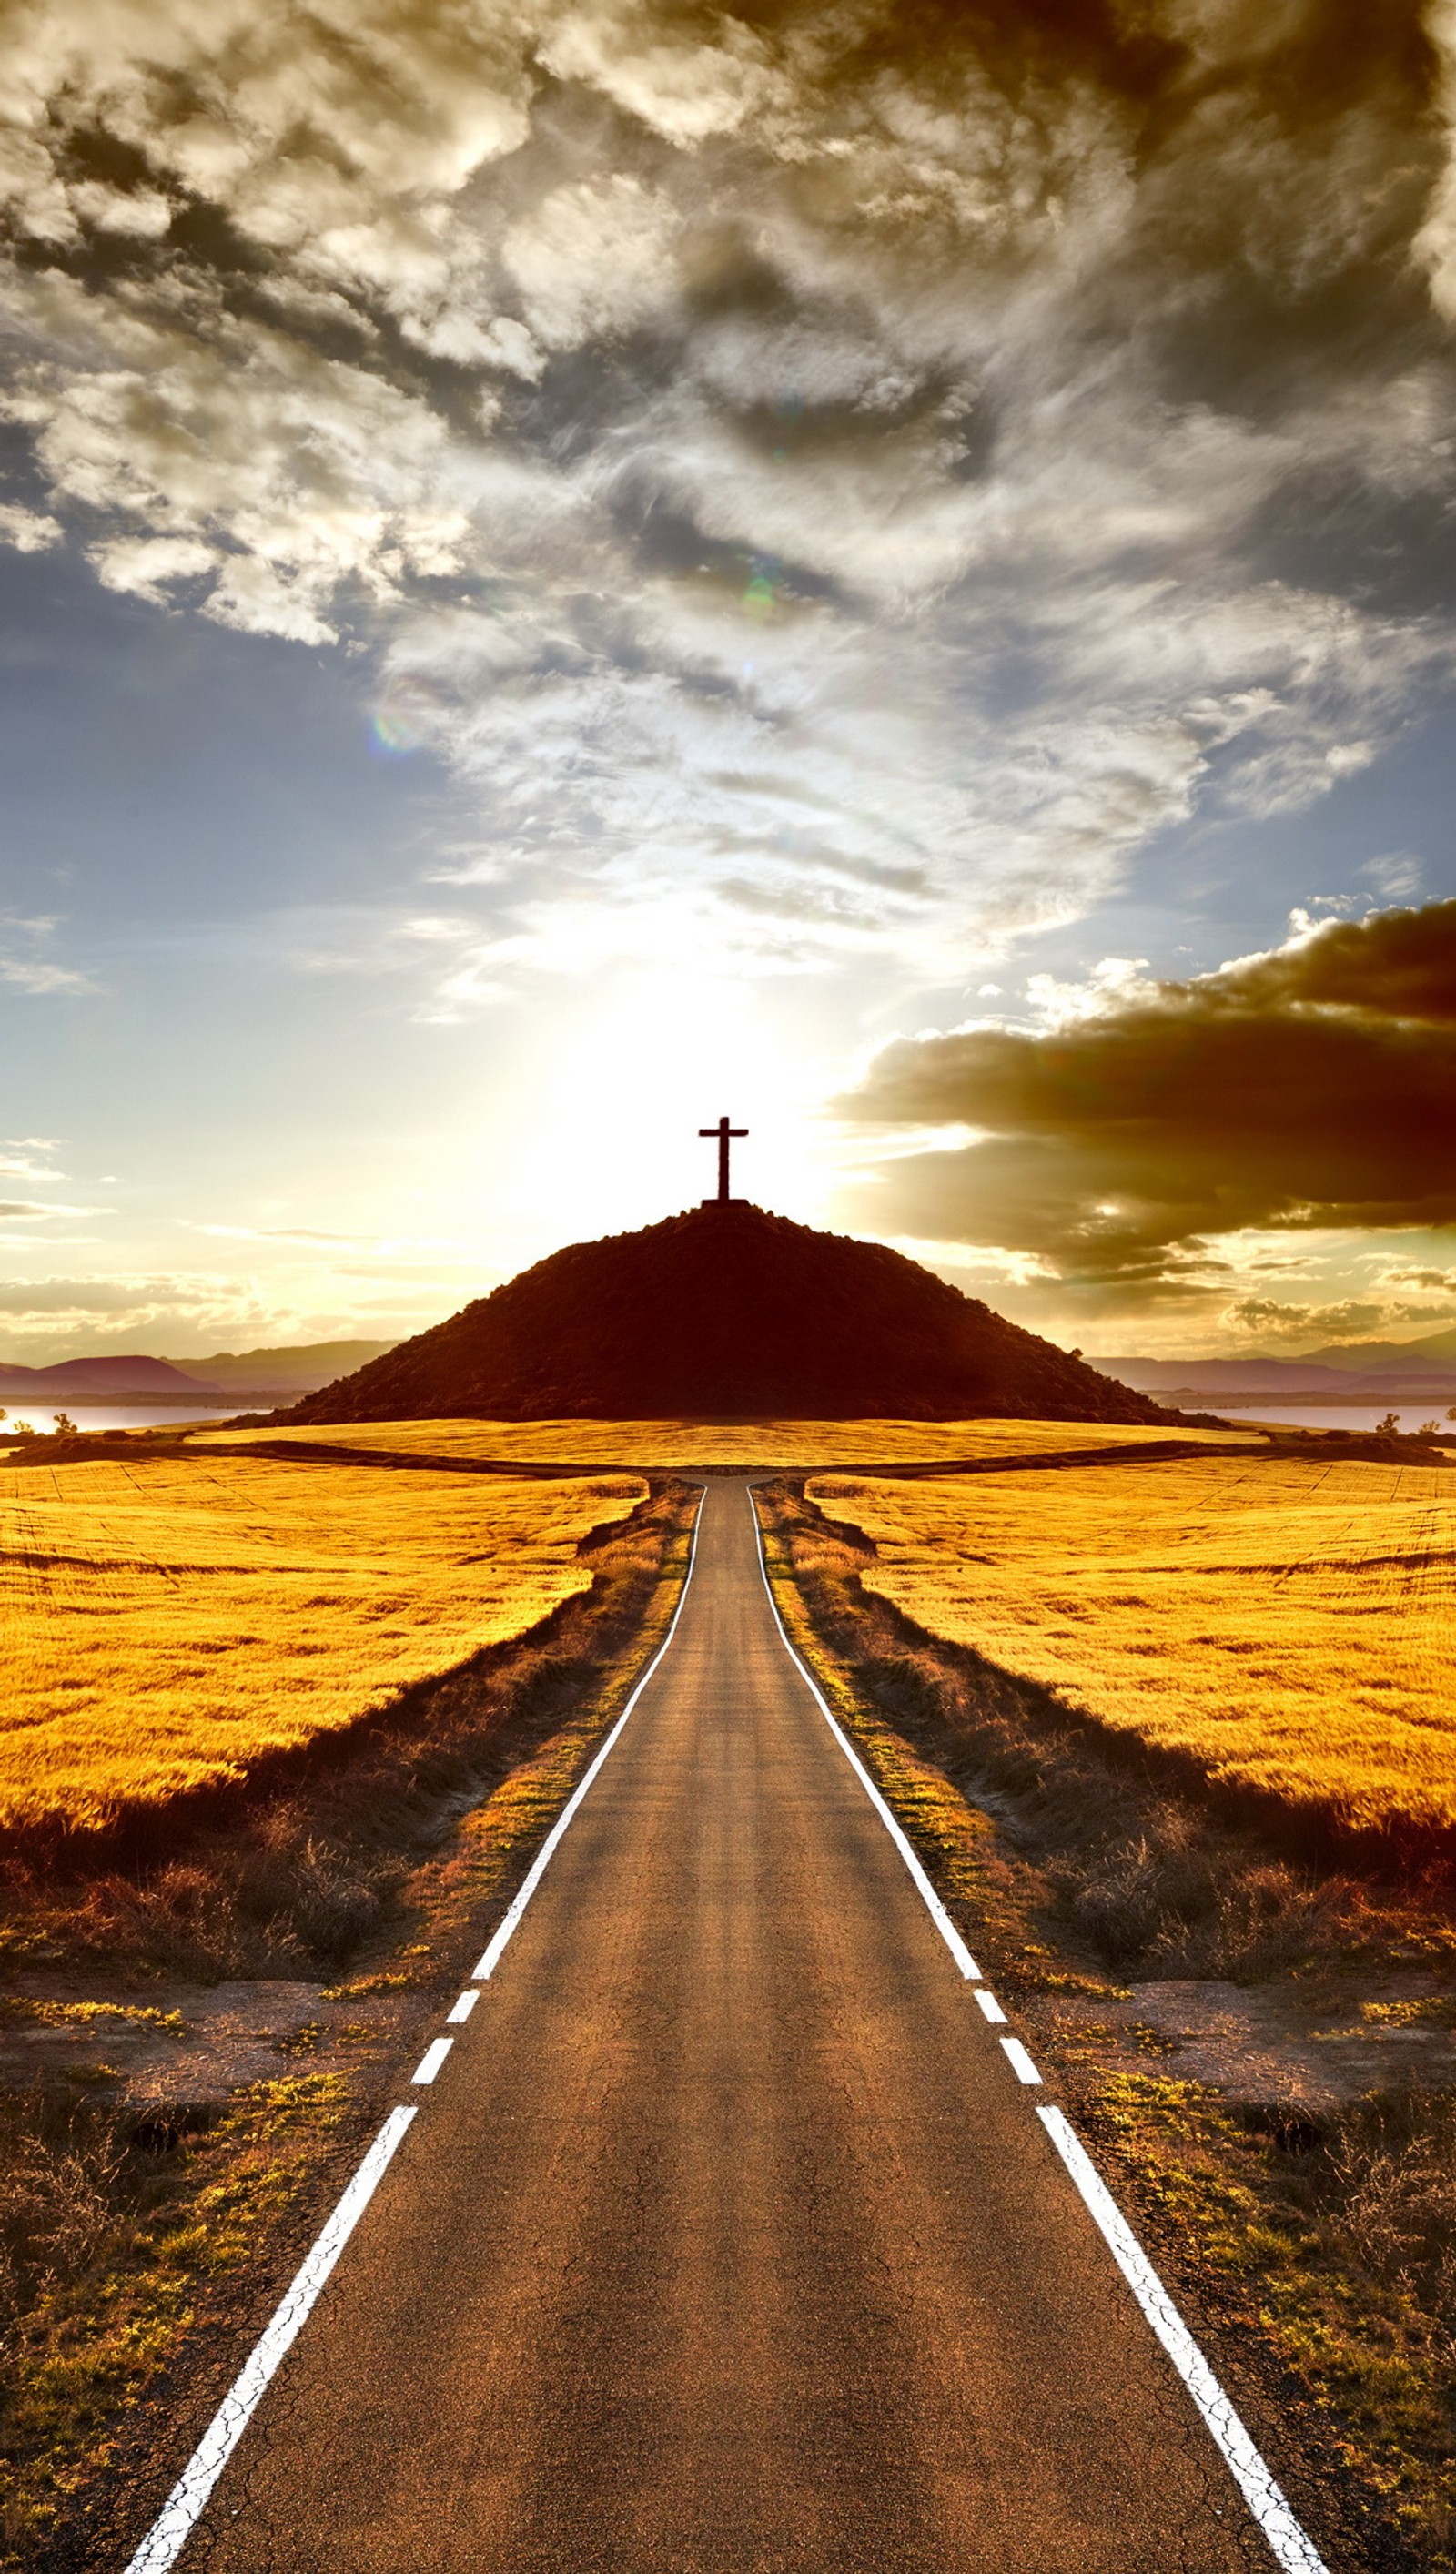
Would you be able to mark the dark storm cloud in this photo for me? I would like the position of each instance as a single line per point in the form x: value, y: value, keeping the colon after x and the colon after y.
x: 1314, y: 1087
x: 1010, y: 428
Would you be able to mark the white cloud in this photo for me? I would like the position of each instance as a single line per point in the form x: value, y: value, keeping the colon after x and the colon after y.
x: 685, y: 92
x: 593, y: 260
x: 145, y: 564
x: 13, y: 1210
x: 35, y: 974
x: 29, y: 532
x: 766, y: 453
x: 143, y: 214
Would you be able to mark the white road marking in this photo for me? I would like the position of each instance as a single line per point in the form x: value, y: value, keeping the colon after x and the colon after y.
x: 543, y: 1856
x: 465, y: 2006
x: 989, y: 2004
x: 432, y: 2060
x: 931, y: 1900
x: 1291, y: 2549
x: 1020, y: 2062
x: 180, y: 2512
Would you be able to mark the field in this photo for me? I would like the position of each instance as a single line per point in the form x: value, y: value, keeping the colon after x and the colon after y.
x: 1289, y: 1625
x: 167, y: 1622
x: 716, y: 1443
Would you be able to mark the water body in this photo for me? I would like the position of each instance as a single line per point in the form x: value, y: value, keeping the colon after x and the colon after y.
x: 115, y: 1416
x: 1335, y: 1416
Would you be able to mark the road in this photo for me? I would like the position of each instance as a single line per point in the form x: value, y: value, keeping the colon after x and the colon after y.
x: 726, y: 2240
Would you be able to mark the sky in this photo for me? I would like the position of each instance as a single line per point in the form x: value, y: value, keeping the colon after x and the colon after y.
x: 890, y: 570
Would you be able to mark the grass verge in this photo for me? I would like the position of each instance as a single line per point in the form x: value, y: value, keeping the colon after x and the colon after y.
x: 120, y: 2239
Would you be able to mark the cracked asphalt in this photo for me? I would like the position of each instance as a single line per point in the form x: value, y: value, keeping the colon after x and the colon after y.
x: 727, y: 2242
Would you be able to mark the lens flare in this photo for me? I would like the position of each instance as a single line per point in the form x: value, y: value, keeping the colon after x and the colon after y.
x: 394, y: 732
x: 402, y: 720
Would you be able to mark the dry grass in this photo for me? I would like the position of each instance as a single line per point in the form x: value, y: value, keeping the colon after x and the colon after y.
x: 1331, y: 2239
x: 723, y: 1442
x: 1287, y: 1624
x: 117, y: 2235
x: 167, y: 1623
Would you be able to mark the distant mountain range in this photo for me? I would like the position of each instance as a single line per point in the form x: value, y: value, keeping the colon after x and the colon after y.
x: 1389, y: 1372
x: 300, y: 1370
x: 1383, y: 1372
x: 254, y: 1376
x: 1366, y: 1358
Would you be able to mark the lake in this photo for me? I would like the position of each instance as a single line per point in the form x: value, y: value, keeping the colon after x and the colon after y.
x: 115, y: 1416
x: 1332, y: 1416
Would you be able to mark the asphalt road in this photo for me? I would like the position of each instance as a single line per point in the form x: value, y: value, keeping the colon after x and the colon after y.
x: 726, y: 2240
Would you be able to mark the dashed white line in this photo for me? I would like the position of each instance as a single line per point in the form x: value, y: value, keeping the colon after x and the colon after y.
x: 1291, y: 2549
x: 1019, y: 2062
x: 180, y: 2512
x: 989, y: 2004
x: 928, y: 1897
x: 542, y: 1861
x: 466, y: 2004
x: 432, y: 2060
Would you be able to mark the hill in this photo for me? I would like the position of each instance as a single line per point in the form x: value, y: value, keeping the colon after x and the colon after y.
x: 284, y: 1372
x: 1317, y: 1379
x: 726, y: 1312
x: 1390, y: 1358
x: 103, y: 1380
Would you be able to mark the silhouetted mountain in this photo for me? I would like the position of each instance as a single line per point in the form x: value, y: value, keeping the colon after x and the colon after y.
x: 726, y: 1313
x: 1390, y: 1358
x: 101, y: 1380
x: 284, y: 1372
x: 1213, y: 1379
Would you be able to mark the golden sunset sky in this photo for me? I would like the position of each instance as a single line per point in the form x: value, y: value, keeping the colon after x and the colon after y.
x: 887, y: 570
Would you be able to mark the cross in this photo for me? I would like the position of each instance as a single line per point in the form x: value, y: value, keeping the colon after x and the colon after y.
x: 725, y: 1133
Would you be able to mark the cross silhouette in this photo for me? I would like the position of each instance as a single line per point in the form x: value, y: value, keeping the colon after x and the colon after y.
x: 725, y: 1133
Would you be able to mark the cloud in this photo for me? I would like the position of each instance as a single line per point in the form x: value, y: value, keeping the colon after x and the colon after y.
x: 160, y: 1313
x: 781, y: 459
x: 1437, y: 1281
x: 1310, y: 1087
x: 10, y: 1208
x: 33, y: 974
x: 1270, y: 1324
x: 26, y: 967
x: 28, y: 532
x: 28, y: 1157
x: 82, y: 1299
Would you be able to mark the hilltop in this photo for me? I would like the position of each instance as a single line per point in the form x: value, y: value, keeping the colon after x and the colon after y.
x: 726, y: 1312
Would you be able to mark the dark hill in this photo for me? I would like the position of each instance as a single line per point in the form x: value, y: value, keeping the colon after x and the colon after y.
x: 726, y: 1313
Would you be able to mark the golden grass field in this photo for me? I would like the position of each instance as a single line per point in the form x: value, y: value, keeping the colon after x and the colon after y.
x: 167, y: 1622
x: 716, y: 1443
x: 1289, y: 1623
